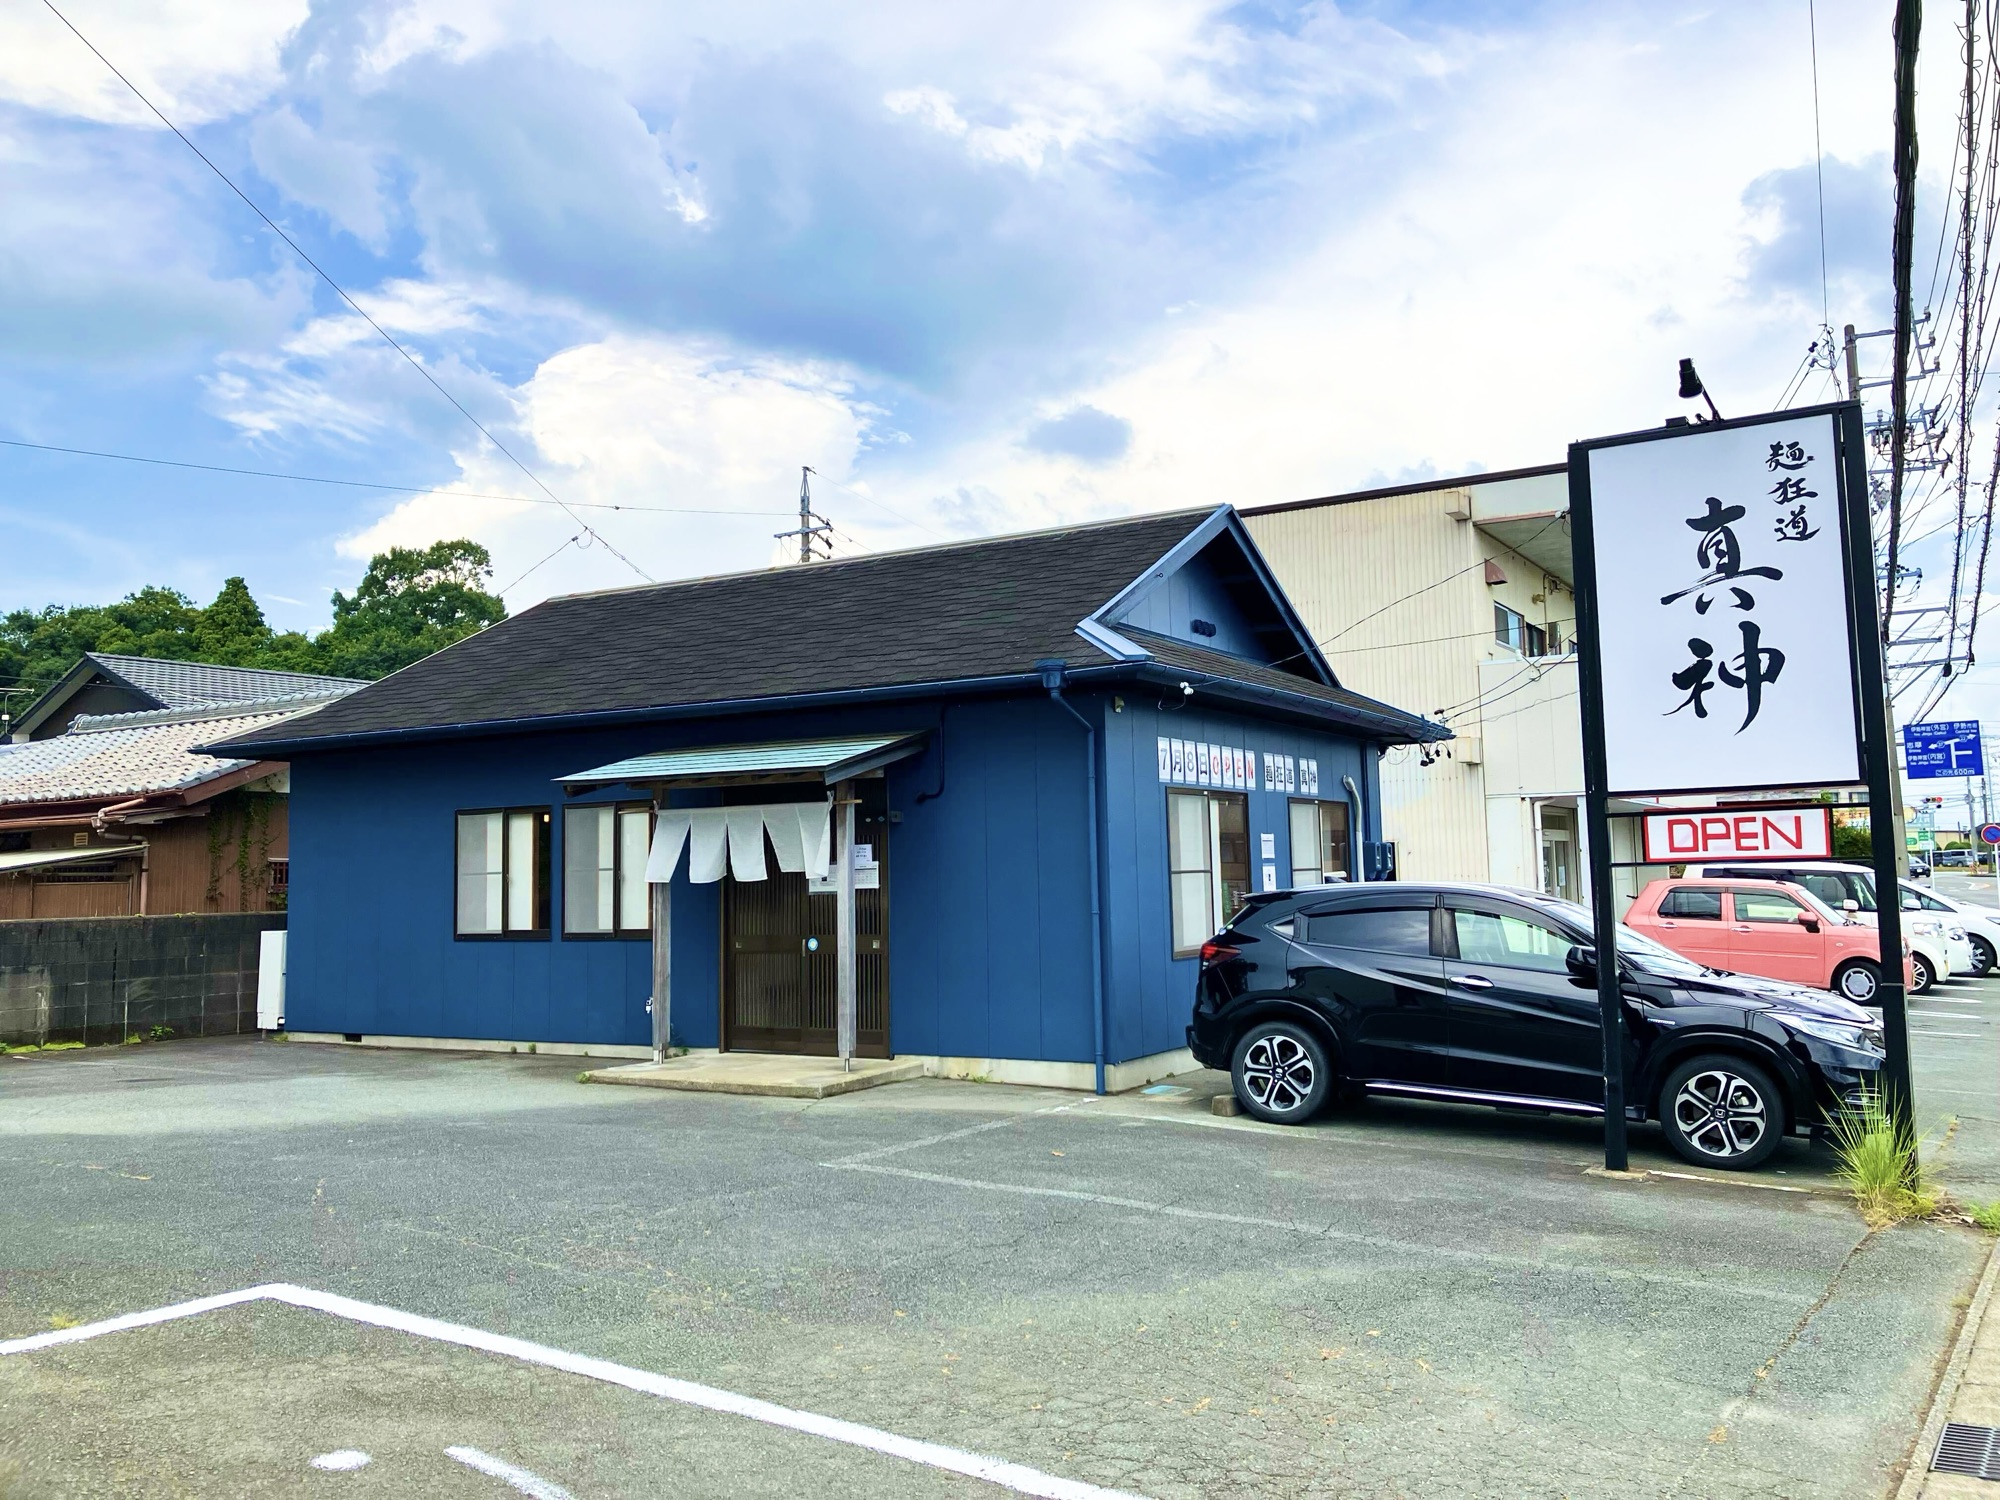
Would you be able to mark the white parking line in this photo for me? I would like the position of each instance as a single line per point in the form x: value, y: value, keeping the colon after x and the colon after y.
x: 531, y: 1485
x: 1327, y: 1232
x: 1969, y: 1036
x: 956, y: 1135
x: 1016, y: 1477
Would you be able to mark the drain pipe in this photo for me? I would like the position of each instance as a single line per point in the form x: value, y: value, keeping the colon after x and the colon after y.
x: 1054, y: 675
x: 1360, y: 836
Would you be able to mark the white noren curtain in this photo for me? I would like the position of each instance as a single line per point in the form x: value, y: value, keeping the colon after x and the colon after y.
x: 732, y: 839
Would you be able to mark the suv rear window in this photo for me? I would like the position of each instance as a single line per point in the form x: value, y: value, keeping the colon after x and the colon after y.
x: 1692, y: 903
x: 1393, y: 929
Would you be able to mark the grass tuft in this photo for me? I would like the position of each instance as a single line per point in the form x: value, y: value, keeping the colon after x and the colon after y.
x: 1985, y: 1215
x: 1882, y: 1168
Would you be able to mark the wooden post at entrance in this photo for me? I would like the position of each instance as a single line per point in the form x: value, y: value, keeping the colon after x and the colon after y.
x: 663, y: 960
x: 845, y: 958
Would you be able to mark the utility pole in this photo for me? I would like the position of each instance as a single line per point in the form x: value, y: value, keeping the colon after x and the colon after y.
x: 1853, y: 364
x: 1908, y: 26
x: 812, y: 527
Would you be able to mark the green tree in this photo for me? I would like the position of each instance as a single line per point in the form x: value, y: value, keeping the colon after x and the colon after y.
x: 411, y: 601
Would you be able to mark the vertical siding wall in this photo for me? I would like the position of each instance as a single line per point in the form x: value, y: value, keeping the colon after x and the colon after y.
x: 989, y: 932
x: 989, y: 914
x: 372, y: 948
x: 989, y: 892
x: 1404, y: 556
x: 1151, y: 993
x: 219, y: 861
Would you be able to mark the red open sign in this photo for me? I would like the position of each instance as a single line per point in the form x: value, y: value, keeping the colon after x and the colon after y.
x: 1738, y: 833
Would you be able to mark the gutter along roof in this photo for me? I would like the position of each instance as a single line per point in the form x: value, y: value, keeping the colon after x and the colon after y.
x: 966, y: 617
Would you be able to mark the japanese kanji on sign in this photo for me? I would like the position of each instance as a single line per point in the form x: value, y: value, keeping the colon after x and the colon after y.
x: 1723, y: 625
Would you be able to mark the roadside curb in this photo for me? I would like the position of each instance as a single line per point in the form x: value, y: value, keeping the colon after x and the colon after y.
x: 1917, y: 1466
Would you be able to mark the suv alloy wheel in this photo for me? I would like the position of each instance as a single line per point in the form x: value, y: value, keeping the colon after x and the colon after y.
x: 1281, y: 1073
x: 1718, y: 1110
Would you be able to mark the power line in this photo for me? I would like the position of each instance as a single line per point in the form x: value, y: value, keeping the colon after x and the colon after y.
x: 1819, y: 173
x: 882, y: 505
x: 365, y: 484
x: 550, y: 558
x: 341, y: 291
x: 1432, y: 640
x: 1436, y: 584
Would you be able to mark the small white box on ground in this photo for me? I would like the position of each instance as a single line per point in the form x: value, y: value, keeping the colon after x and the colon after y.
x: 271, y: 981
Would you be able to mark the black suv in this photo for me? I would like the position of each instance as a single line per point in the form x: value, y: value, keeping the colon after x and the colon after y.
x: 1487, y: 995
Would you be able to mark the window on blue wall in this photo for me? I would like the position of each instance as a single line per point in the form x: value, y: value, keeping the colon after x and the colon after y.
x: 503, y: 873
x: 604, y: 870
x: 1319, y: 842
x: 1208, y: 863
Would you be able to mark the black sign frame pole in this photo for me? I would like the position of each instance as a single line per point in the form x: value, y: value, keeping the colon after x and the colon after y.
x: 1597, y: 811
x: 1871, y: 675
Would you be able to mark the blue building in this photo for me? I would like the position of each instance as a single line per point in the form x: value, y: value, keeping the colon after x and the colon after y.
x: 1017, y: 782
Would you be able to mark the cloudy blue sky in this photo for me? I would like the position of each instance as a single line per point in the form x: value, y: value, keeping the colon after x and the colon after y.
x: 983, y: 266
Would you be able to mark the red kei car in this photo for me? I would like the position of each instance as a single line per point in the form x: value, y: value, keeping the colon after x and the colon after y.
x: 1765, y: 927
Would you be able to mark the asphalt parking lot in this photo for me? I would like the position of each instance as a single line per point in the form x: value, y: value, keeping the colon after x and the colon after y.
x: 1128, y: 1293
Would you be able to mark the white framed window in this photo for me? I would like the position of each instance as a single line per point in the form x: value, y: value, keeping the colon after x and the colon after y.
x: 604, y: 870
x: 1208, y: 863
x: 1321, y: 853
x: 503, y: 873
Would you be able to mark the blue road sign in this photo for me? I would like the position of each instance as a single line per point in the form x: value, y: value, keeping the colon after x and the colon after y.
x: 1989, y: 833
x: 1950, y: 749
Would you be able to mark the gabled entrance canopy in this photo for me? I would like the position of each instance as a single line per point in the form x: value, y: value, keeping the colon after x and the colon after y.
x: 734, y: 837
x: 827, y: 761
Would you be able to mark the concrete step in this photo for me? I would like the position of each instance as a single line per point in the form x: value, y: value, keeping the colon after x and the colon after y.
x: 760, y: 1073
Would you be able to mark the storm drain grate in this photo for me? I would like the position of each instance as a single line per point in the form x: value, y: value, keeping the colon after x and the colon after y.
x: 1968, y: 1449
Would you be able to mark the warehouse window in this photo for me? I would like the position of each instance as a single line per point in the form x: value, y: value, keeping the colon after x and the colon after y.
x: 1208, y: 863
x: 1320, y: 851
x: 503, y: 873
x: 604, y: 870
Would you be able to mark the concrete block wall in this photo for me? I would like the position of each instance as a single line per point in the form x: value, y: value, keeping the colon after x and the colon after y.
x: 102, y: 979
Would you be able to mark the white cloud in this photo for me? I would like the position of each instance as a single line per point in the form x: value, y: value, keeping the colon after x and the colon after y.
x: 198, y: 60
x: 1518, y: 287
x: 340, y: 178
x: 651, y: 423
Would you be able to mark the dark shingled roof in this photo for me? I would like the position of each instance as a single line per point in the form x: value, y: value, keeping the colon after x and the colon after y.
x: 1199, y: 664
x: 970, y: 610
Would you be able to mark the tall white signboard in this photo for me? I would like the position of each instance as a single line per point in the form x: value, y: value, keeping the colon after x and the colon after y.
x: 1722, y: 607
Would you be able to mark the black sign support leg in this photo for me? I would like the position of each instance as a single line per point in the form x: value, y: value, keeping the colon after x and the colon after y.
x: 1597, y: 815
x: 1880, y: 755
